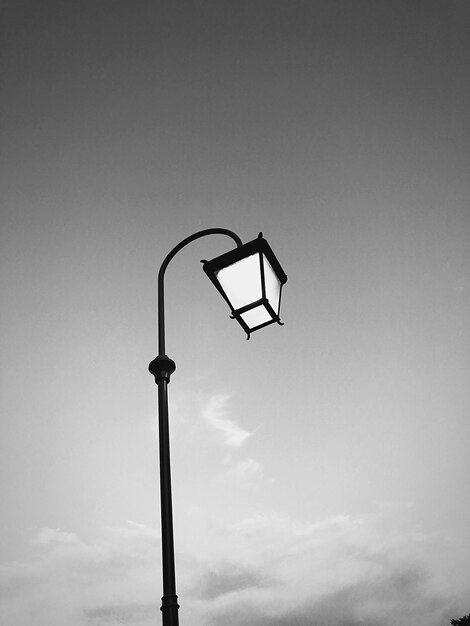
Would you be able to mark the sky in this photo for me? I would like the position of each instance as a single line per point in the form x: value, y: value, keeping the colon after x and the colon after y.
x: 321, y: 469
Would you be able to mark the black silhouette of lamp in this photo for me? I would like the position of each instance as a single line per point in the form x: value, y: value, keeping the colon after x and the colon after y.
x: 250, y: 280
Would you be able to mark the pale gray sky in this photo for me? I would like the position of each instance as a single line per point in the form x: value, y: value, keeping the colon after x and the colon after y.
x: 321, y: 469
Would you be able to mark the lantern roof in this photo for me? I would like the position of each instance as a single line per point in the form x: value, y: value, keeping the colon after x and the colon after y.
x: 252, y: 247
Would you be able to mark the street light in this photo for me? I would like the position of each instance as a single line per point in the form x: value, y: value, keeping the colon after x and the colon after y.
x: 250, y: 279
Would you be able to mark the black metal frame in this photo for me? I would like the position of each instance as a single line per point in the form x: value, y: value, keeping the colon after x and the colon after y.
x: 258, y: 246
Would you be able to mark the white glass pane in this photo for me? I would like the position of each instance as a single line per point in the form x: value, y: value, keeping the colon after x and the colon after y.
x: 256, y: 316
x: 273, y: 286
x: 242, y: 281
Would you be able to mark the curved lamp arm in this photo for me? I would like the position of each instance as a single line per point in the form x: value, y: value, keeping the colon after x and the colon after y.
x: 161, y: 275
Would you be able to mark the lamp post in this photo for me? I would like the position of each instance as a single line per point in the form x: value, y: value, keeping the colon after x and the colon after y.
x: 250, y: 280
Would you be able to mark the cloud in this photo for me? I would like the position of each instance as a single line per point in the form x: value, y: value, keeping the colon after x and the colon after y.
x: 215, y: 414
x: 132, y: 613
x: 49, y: 535
x: 65, y: 581
x: 227, y: 578
x: 340, y: 571
x: 263, y: 570
x: 244, y: 469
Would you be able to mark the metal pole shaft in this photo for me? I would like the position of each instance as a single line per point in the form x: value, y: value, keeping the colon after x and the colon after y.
x: 170, y: 604
x: 162, y: 367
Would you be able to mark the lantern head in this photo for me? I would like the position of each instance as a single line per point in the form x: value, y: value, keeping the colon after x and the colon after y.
x: 250, y: 280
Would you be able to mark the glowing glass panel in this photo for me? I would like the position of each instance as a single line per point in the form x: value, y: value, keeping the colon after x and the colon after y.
x: 256, y: 316
x: 241, y: 281
x: 272, y: 284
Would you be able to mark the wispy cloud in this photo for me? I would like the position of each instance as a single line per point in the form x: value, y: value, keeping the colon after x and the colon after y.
x: 51, y: 535
x: 215, y: 414
x: 246, y: 468
x: 266, y: 570
x: 68, y: 581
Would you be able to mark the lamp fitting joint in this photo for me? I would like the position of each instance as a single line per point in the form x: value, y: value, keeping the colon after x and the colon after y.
x: 162, y: 367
